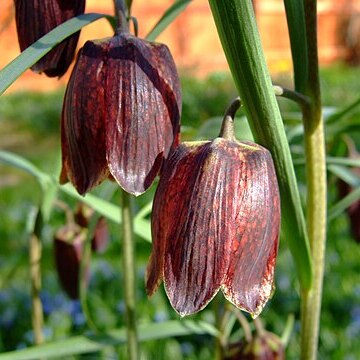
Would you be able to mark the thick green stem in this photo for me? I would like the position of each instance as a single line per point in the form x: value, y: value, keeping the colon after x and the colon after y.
x: 129, y: 273
x: 316, y: 193
x: 35, y: 274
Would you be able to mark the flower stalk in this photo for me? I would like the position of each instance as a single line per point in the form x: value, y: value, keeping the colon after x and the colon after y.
x: 35, y: 252
x: 121, y: 15
x: 129, y: 273
x: 316, y: 192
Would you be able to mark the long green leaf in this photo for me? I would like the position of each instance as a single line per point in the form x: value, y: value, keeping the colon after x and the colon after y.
x: 41, y: 47
x: 49, y: 186
x: 109, y: 210
x: 170, y: 14
x: 345, y: 174
x: 21, y: 163
x: 235, y: 21
x: 343, y: 112
x: 92, y: 343
x: 295, y: 16
x: 343, y: 204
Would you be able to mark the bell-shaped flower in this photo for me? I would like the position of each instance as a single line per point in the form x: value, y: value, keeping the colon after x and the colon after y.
x: 121, y: 113
x: 68, y: 249
x: 215, y: 224
x: 35, y: 18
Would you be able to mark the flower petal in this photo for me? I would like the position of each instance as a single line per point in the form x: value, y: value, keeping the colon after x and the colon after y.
x: 82, y: 127
x: 35, y: 18
x: 192, y: 223
x: 248, y: 283
x: 143, y: 103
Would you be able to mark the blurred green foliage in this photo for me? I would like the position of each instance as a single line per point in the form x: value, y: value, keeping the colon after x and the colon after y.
x: 29, y: 126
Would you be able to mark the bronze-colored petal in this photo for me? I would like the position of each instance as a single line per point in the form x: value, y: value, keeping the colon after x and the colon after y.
x: 82, y: 127
x: 35, y: 18
x: 249, y: 279
x: 143, y: 104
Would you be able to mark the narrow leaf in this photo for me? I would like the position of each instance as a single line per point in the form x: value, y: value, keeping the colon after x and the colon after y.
x: 21, y: 163
x: 109, y: 210
x: 343, y: 112
x: 169, y: 16
x: 41, y: 47
x: 49, y: 186
x: 235, y: 21
x: 343, y: 204
x: 343, y: 173
x: 144, y: 211
x: 92, y: 343
x: 295, y: 16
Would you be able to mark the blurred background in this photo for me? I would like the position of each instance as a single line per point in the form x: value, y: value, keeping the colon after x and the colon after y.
x: 29, y: 126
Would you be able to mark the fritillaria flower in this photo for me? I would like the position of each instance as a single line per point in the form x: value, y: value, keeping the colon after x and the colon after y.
x: 100, y: 239
x: 35, y: 18
x: 68, y: 248
x: 69, y: 242
x: 121, y: 113
x: 215, y: 224
x: 265, y: 346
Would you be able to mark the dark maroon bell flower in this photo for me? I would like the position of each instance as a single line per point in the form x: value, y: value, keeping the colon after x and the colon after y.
x: 121, y: 113
x: 265, y: 346
x: 100, y: 239
x: 35, y: 18
x: 215, y: 224
x: 68, y: 248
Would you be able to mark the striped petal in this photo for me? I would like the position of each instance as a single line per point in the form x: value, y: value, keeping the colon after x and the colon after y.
x: 83, y: 122
x: 249, y: 279
x: 143, y: 104
x: 215, y: 224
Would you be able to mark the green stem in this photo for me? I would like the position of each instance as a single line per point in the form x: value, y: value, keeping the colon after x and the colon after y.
x: 316, y: 192
x: 121, y: 16
x: 35, y: 274
x: 129, y: 271
x: 219, y: 313
x: 302, y: 100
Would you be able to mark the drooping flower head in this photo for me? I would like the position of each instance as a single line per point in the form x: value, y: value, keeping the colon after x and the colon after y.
x: 215, y: 224
x: 121, y: 113
x: 69, y: 243
x: 35, y: 18
x: 68, y: 249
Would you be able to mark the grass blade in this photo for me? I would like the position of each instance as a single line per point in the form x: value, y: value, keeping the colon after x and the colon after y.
x: 343, y: 204
x: 50, y: 185
x: 41, y: 47
x: 170, y: 14
x: 92, y: 343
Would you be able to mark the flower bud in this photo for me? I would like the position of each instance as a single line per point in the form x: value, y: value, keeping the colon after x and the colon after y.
x: 215, y: 224
x: 266, y: 346
x: 68, y: 249
x: 121, y: 113
x: 100, y: 239
x: 35, y: 18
